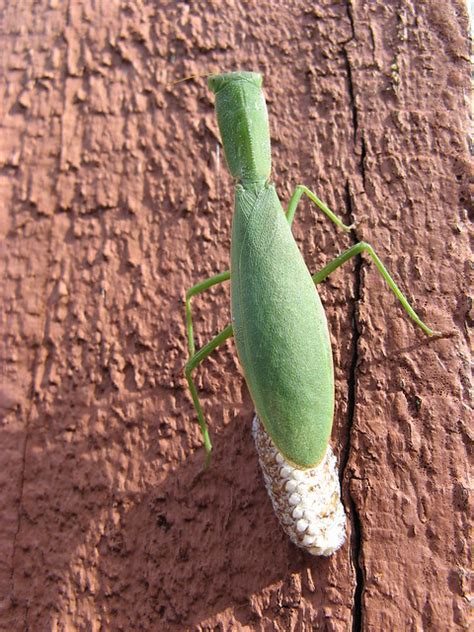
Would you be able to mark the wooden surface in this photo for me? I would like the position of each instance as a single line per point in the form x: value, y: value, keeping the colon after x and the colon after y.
x: 115, y: 201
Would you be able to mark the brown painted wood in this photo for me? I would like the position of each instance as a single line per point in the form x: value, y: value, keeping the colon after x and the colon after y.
x: 116, y: 200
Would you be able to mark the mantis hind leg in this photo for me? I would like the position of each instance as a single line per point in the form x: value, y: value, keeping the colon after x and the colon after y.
x: 364, y: 247
x: 295, y: 198
x: 197, y: 289
x: 192, y: 363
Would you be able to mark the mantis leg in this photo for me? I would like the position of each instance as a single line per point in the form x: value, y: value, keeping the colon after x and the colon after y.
x: 196, y: 289
x: 295, y: 198
x: 364, y: 247
x: 189, y: 368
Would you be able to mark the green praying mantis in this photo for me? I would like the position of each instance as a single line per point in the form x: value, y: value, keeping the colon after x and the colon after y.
x: 278, y: 322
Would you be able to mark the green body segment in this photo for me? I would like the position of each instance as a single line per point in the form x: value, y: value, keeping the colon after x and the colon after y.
x: 279, y: 324
x: 280, y: 329
x: 243, y: 123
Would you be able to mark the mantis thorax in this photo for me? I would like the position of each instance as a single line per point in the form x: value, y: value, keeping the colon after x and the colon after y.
x: 243, y: 124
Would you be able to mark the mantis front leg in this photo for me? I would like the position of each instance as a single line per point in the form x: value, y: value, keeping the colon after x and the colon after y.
x: 364, y: 247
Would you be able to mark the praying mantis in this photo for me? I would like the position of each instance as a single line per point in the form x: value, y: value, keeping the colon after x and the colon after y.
x: 279, y: 326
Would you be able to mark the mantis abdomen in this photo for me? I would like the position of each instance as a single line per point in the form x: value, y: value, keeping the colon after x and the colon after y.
x: 280, y: 329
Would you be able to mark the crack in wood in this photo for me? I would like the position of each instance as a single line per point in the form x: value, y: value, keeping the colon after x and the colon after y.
x: 356, y: 535
x: 356, y: 532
